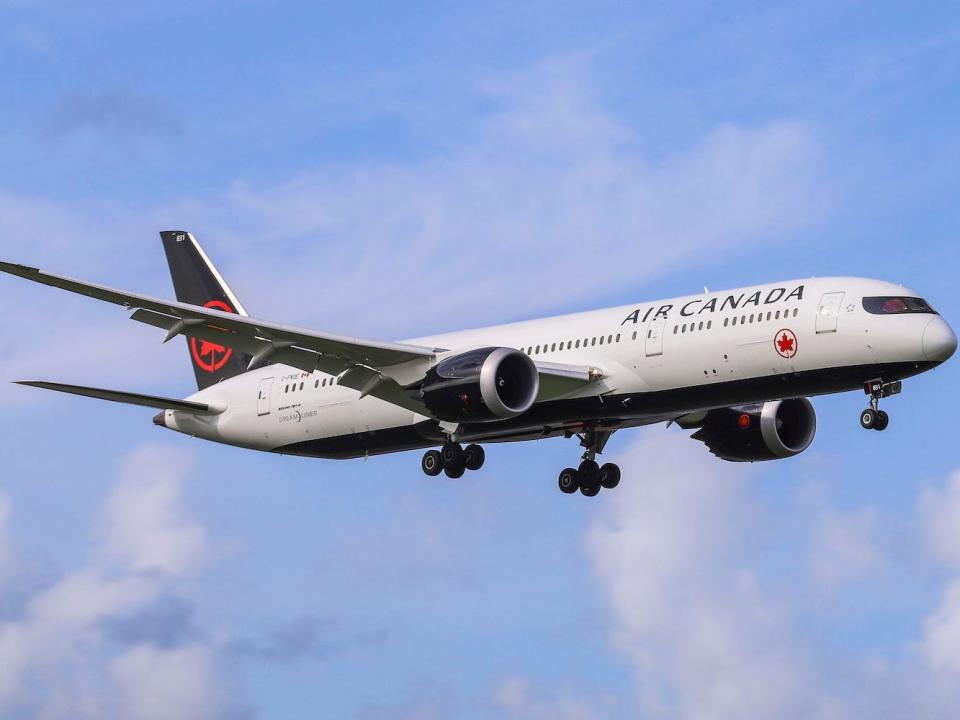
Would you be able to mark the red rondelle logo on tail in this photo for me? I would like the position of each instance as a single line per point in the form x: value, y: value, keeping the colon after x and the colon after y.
x: 209, y: 356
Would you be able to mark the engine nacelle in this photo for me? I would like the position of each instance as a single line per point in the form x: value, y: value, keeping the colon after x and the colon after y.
x: 768, y: 431
x: 481, y: 385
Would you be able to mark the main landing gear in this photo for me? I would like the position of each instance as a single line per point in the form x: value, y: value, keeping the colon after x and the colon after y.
x: 873, y: 418
x: 589, y: 477
x: 452, y: 459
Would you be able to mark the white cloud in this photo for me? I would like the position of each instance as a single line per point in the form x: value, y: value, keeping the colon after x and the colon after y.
x: 505, y: 213
x: 707, y: 639
x: 6, y: 554
x: 845, y: 547
x: 57, y: 657
x: 510, y: 209
x: 146, y: 528
x: 180, y: 684
x: 941, y: 636
x: 517, y: 699
x: 940, y: 521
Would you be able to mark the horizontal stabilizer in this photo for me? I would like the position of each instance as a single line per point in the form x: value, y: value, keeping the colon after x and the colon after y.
x: 151, y: 401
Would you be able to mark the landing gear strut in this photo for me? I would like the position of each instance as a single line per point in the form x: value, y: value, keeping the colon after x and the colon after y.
x: 589, y: 477
x: 873, y: 418
x: 453, y: 460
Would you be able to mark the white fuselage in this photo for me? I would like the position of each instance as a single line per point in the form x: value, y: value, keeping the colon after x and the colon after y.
x: 659, y: 359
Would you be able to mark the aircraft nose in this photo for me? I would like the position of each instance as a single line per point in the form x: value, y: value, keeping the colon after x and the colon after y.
x: 939, y: 342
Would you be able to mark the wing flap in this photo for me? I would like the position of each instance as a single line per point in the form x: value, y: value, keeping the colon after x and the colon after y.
x: 128, y: 398
x: 557, y: 379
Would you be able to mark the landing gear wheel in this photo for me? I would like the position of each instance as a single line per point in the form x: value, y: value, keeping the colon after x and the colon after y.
x: 868, y: 419
x: 590, y: 490
x: 609, y: 475
x: 473, y: 457
x: 569, y: 481
x: 882, y: 421
x: 451, y: 455
x: 455, y: 472
x: 431, y: 464
x: 589, y: 472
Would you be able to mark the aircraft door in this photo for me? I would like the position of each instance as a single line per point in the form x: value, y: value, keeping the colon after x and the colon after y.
x: 655, y: 336
x: 828, y: 312
x: 263, y: 397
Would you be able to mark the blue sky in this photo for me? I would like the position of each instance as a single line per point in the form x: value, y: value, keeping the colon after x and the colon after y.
x: 396, y: 171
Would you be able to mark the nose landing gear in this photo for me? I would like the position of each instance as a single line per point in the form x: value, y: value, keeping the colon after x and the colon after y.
x: 873, y: 418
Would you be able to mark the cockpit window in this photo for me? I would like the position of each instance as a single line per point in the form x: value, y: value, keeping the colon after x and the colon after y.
x: 896, y: 305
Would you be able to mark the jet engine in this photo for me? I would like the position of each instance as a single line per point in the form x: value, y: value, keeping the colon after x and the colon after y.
x: 481, y: 385
x: 766, y: 431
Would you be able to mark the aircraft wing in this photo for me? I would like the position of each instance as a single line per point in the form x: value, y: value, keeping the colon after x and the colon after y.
x: 380, y: 369
x: 266, y: 341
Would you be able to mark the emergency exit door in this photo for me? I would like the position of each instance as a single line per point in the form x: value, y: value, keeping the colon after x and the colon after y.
x: 263, y: 398
x: 828, y: 312
x: 655, y: 336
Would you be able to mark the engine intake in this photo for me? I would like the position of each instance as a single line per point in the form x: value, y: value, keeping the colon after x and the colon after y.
x: 768, y: 431
x: 481, y: 385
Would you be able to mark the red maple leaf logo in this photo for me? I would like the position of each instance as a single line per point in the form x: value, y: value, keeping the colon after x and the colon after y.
x: 786, y: 343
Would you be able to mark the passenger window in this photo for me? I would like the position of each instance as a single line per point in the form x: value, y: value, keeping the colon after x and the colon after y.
x: 743, y: 319
x: 683, y: 328
x: 601, y: 339
x: 301, y: 386
x: 577, y: 344
x: 726, y: 321
x: 618, y: 337
x: 796, y: 311
x: 776, y: 315
x: 569, y: 344
x: 553, y: 347
x: 634, y: 334
x: 709, y: 324
x: 701, y: 326
x: 769, y: 315
x: 609, y: 339
x: 593, y: 342
x: 675, y: 328
x: 734, y: 320
x: 316, y: 385
x: 537, y: 351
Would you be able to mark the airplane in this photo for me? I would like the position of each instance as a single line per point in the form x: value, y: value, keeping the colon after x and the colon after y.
x: 737, y: 366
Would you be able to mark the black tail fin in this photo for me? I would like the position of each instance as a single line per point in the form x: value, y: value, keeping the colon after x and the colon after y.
x: 196, y: 281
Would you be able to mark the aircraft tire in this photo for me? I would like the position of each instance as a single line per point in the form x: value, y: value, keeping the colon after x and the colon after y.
x: 451, y: 455
x: 569, y: 481
x: 883, y: 419
x: 431, y: 464
x: 609, y: 475
x: 473, y: 457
